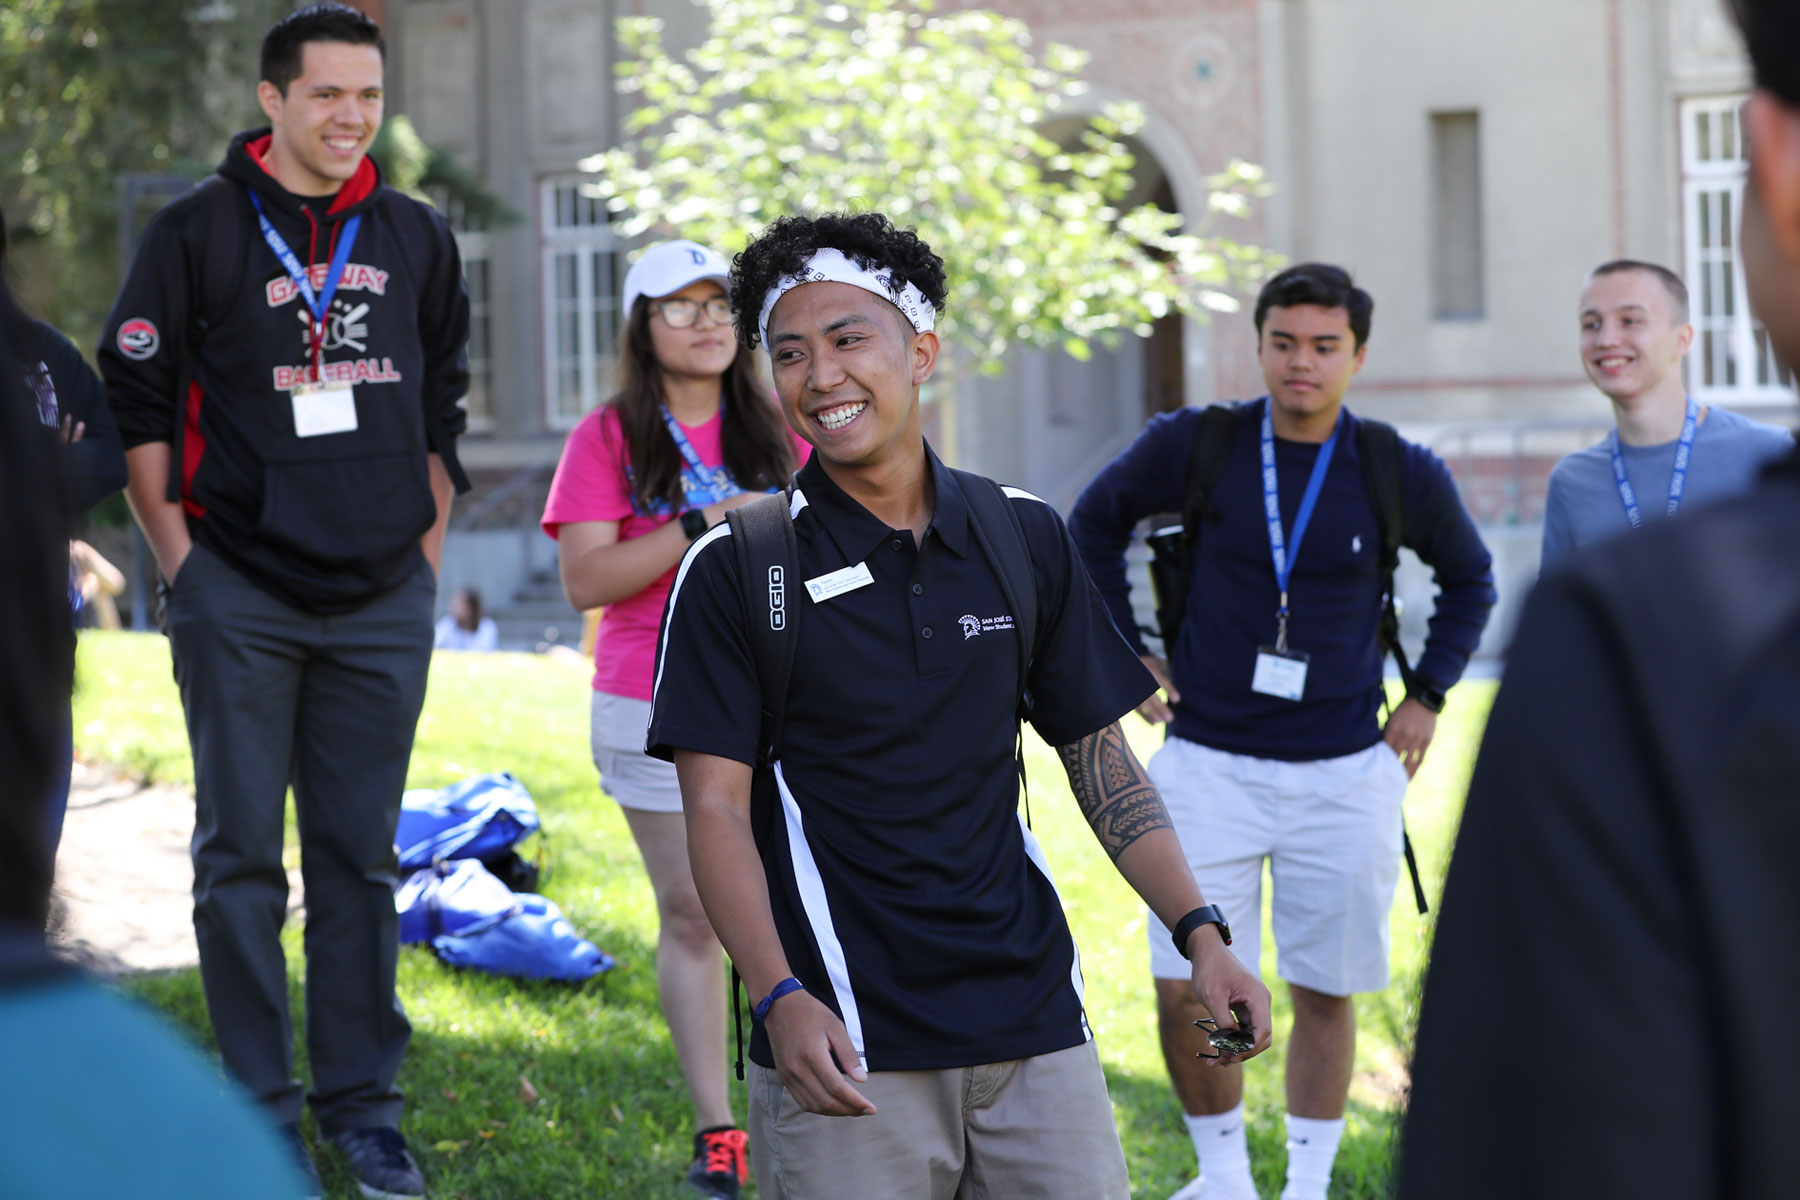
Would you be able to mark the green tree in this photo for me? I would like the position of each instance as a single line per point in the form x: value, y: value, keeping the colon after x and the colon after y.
x: 939, y: 121
x: 91, y: 90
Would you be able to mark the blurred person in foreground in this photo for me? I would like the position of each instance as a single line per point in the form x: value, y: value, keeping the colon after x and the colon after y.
x: 1610, y: 1004
x: 920, y: 1031
x: 97, y: 1096
x: 1669, y: 453
x: 286, y: 361
x: 71, y: 407
x: 690, y: 434
x: 1307, y: 777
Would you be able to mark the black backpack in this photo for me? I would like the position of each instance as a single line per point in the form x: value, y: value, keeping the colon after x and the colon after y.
x: 762, y: 535
x: 1379, y: 447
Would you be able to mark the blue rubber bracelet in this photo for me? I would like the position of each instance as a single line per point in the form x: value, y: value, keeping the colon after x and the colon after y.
x: 790, y: 984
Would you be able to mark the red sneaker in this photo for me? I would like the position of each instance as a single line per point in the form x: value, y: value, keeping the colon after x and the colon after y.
x: 721, y: 1163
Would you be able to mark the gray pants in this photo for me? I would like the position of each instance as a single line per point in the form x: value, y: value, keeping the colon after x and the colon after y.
x: 274, y: 696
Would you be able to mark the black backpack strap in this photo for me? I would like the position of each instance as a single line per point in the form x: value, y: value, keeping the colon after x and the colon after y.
x: 1383, y: 462
x: 1214, y: 435
x: 762, y: 534
x: 1001, y: 537
x: 217, y: 251
x: 997, y: 530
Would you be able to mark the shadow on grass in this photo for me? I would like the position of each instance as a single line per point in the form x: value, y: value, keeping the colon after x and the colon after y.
x: 1160, y: 1155
x: 606, y: 1112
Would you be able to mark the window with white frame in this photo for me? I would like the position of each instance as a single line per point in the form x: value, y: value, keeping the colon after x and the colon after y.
x: 581, y: 300
x: 1732, y: 359
x: 472, y: 244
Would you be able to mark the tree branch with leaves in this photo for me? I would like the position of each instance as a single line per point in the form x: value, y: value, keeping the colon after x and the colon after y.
x: 938, y: 121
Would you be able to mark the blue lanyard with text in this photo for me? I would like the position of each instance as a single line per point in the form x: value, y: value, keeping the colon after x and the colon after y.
x: 1280, y: 550
x: 318, y: 303
x: 1684, y: 452
x: 700, y: 484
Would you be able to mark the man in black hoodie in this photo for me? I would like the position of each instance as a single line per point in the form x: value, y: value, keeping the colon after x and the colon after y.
x: 285, y: 362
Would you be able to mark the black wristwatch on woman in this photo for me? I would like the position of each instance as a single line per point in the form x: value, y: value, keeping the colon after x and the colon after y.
x: 693, y: 523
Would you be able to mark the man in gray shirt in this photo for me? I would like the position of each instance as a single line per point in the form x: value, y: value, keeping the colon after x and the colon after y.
x: 1668, y: 452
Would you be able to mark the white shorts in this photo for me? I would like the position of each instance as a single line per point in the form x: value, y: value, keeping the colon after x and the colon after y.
x: 1330, y: 830
x: 627, y: 774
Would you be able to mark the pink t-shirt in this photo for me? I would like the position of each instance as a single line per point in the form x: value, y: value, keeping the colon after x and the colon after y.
x: 591, y: 484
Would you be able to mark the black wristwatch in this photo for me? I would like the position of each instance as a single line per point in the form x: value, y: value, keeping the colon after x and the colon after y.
x: 1210, y: 914
x: 693, y: 523
x: 1428, y: 697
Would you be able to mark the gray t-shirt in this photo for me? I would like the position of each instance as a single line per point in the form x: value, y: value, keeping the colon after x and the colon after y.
x: 1584, y: 506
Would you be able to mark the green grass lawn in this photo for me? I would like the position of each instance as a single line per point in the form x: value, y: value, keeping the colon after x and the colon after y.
x: 610, y: 1117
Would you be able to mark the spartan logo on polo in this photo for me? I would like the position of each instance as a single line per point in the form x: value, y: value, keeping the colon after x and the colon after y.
x: 974, y: 626
x: 138, y: 339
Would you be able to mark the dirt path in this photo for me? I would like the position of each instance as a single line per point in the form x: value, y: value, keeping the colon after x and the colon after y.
x: 123, y: 897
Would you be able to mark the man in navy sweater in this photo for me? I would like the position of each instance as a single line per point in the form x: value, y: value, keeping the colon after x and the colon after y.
x: 1276, y: 750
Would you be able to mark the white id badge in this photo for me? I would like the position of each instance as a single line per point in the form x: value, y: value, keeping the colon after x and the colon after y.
x: 1279, y: 673
x: 321, y: 410
x: 836, y: 583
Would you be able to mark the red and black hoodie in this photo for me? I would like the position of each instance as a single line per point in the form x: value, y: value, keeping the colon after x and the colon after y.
x: 209, y: 337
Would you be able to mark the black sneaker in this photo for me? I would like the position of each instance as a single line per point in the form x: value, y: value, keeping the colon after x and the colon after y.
x: 721, y: 1163
x: 309, y: 1174
x: 383, y: 1166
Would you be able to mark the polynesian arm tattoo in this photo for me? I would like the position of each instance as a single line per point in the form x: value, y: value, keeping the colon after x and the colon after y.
x: 1115, y: 795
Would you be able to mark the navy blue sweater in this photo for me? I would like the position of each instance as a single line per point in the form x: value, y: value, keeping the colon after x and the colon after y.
x: 1333, y: 594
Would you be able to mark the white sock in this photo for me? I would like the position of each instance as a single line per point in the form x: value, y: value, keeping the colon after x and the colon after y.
x: 1311, y: 1147
x: 1224, y: 1154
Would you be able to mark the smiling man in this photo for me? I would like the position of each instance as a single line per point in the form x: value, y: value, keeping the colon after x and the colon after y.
x: 285, y: 362
x: 1275, y: 751
x: 920, y: 1032
x: 1668, y: 452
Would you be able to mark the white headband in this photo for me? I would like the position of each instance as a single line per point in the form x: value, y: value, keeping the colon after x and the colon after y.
x: 832, y: 266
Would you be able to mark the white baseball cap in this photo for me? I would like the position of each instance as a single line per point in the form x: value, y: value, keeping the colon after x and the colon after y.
x: 668, y: 267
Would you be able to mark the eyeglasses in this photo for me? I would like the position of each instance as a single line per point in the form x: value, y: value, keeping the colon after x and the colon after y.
x: 1227, y: 1041
x: 681, y: 313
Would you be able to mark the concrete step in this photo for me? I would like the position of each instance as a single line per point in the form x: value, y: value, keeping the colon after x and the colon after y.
x: 532, y: 633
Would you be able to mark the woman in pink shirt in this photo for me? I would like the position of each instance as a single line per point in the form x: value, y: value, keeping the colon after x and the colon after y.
x: 690, y: 434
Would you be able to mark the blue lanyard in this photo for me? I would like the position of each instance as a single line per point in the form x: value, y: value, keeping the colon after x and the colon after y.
x: 1684, y: 452
x: 319, y: 303
x: 701, y: 485
x: 1284, y: 550
x: 681, y: 441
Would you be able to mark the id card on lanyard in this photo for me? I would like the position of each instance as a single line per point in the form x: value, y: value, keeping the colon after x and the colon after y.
x: 1280, y: 669
x: 319, y: 407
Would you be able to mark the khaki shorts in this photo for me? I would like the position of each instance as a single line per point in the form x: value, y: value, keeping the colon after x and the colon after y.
x: 1330, y: 830
x: 616, y: 734
x: 1039, y: 1127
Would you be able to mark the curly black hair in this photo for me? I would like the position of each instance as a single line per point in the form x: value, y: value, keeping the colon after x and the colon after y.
x: 868, y: 239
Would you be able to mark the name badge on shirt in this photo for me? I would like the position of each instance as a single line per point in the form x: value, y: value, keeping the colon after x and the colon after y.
x: 324, y: 408
x: 836, y: 583
x: 1279, y: 673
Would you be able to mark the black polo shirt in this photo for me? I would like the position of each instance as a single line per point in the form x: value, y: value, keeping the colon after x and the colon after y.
x: 908, y: 894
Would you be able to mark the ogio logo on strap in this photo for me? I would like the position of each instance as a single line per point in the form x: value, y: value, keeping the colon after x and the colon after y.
x: 777, y: 598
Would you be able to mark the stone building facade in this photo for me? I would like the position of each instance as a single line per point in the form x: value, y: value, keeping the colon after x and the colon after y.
x: 1468, y: 160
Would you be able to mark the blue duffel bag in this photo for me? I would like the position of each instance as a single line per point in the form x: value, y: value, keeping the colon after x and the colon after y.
x: 472, y: 920
x: 479, y: 817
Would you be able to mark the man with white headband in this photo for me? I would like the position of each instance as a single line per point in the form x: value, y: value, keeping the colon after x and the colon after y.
x: 919, y: 1024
